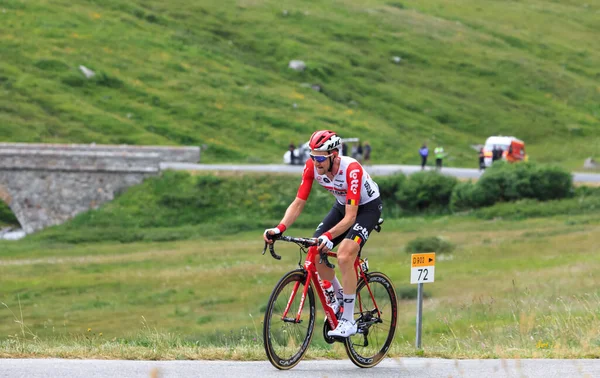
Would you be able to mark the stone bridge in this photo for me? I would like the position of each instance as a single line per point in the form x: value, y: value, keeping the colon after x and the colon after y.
x: 47, y: 184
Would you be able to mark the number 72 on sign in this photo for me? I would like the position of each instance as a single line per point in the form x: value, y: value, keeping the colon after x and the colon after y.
x: 422, y: 268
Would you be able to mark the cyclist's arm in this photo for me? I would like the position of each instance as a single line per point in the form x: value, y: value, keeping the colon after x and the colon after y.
x: 293, y: 211
x: 296, y: 207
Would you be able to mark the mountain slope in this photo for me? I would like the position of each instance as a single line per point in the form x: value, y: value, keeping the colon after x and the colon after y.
x: 215, y: 73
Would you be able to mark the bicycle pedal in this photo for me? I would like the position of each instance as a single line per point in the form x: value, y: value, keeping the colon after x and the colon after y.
x: 362, y: 328
x: 291, y: 320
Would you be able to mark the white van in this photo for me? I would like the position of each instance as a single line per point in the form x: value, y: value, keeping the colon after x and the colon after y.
x: 502, y: 142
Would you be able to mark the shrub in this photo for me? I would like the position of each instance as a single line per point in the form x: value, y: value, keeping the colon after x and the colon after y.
x: 511, y: 182
x: 6, y: 215
x: 549, y: 183
x: 410, y: 292
x: 429, y: 244
x: 388, y: 187
x: 586, y: 191
x: 426, y: 191
x: 467, y: 195
x: 529, y: 208
x: 494, y: 182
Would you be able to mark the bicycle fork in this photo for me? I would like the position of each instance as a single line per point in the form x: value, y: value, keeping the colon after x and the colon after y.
x: 289, y: 304
x: 311, y: 276
x: 367, y: 317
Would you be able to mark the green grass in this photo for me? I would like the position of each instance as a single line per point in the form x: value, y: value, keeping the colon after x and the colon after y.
x: 525, y: 288
x: 215, y: 73
x: 182, y: 206
x: 169, y: 271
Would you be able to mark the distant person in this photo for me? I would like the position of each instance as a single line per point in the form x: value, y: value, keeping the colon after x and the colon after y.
x: 354, y: 151
x: 439, y: 156
x: 481, y: 159
x: 292, y: 147
x: 359, y: 152
x: 496, y: 153
x: 367, y: 156
x: 424, y: 153
x: 344, y: 149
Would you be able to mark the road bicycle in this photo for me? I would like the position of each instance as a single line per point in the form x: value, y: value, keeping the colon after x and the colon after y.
x: 289, y: 319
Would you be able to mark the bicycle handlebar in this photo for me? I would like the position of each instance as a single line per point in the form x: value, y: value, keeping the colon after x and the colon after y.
x: 305, y: 242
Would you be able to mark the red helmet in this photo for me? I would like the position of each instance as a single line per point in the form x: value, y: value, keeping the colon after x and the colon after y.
x: 324, y: 140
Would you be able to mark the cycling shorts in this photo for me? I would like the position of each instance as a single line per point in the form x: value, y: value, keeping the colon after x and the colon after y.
x: 366, y: 219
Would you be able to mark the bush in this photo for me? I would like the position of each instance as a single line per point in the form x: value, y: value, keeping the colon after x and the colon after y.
x: 6, y: 215
x: 550, y: 183
x: 505, y: 182
x: 410, y: 292
x: 429, y: 244
x: 530, y: 208
x: 388, y: 187
x: 586, y: 191
x: 511, y: 182
x: 428, y: 190
x: 467, y: 195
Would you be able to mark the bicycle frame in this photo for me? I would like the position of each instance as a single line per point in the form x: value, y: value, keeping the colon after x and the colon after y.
x: 312, y: 276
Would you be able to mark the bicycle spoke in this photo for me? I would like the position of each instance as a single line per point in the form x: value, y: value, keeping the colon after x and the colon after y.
x: 286, y: 338
x: 377, y: 318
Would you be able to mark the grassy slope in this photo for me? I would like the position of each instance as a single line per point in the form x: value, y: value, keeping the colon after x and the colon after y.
x: 509, y: 289
x: 216, y: 73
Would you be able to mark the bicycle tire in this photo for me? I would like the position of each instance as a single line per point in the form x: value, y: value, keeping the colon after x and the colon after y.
x: 378, y: 336
x: 286, y: 342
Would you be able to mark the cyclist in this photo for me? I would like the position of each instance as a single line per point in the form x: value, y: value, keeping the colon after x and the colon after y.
x: 349, y: 222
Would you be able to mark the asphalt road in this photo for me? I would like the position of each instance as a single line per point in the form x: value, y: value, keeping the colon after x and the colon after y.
x: 375, y: 170
x: 402, y: 367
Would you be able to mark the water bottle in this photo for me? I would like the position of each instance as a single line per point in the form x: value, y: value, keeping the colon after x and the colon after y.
x: 329, y: 292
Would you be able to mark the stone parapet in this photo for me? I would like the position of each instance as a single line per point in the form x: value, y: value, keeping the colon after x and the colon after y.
x: 188, y: 154
x: 79, y: 161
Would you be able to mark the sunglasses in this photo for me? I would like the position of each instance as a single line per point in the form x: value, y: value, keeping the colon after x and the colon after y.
x: 320, y: 158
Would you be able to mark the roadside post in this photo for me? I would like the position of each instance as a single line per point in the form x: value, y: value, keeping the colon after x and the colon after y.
x: 422, y: 270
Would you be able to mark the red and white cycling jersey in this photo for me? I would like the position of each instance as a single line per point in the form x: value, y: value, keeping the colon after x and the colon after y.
x: 351, y: 185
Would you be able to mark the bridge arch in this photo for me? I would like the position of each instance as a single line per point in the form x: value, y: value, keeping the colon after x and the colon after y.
x: 47, y: 184
x: 7, y: 216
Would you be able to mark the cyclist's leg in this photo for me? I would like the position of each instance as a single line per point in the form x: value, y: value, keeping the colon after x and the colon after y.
x: 356, y: 237
x: 366, y: 219
x: 334, y: 216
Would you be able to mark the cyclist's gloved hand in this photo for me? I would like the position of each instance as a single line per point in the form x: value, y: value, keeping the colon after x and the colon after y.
x: 269, y: 232
x: 325, y: 241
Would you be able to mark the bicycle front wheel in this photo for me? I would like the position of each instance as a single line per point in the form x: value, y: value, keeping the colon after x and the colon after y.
x: 285, y: 337
x: 378, y: 312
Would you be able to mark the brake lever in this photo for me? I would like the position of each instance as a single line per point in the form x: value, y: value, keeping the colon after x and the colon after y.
x: 271, y: 247
x: 323, y: 258
x: 272, y: 250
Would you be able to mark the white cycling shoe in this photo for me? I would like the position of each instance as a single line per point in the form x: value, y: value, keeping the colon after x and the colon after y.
x: 345, y: 328
x: 336, y: 307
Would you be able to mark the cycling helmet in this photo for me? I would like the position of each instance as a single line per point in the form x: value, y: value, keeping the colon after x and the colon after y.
x: 324, y: 140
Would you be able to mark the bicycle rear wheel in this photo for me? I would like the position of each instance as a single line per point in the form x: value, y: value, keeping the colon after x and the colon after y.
x: 286, y: 339
x: 376, y: 321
